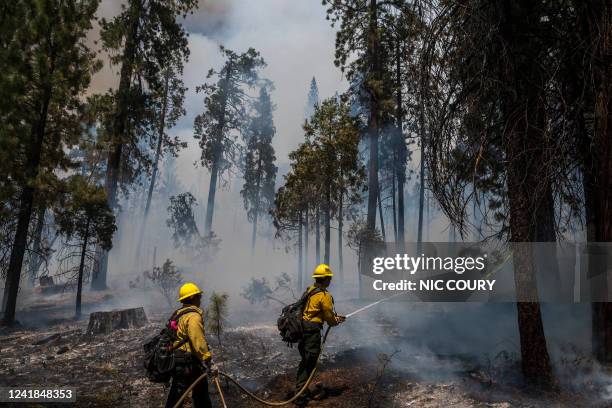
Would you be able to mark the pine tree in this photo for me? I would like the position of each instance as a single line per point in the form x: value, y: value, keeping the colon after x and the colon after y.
x: 313, y: 99
x: 144, y: 39
x: 359, y: 52
x: 259, y: 168
x: 225, y: 114
x: 83, y: 215
x: 46, y: 84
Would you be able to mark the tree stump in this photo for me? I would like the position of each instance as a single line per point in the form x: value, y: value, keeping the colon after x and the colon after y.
x: 106, y: 322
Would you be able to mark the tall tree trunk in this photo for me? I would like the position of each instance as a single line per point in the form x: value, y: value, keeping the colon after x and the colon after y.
x: 81, y: 268
x: 217, y: 155
x: 400, y: 170
x: 26, y: 199
x: 521, y: 109
x: 113, y: 166
x: 300, y: 281
x: 382, y: 219
x: 596, y: 17
x: 394, y: 207
x: 210, y: 204
x: 340, y: 244
x: 421, y: 192
x: 36, y: 259
x: 318, y: 235
x: 256, y: 216
x: 327, y: 226
x: 374, y: 63
x: 160, y: 140
x: 306, y: 234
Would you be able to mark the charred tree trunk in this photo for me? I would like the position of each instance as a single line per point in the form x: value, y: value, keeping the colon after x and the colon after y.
x: 523, y: 150
x: 393, y: 205
x: 81, y: 269
x: 26, y: 199
x: 421, y: 189
x: 401, y: 154
x: 382, y: 219
x: 374, y: 63
x: 340, y: 244
x: 596, y: 19
x: 119, y: 128
x: 36, y: 259
x: 107, y: 322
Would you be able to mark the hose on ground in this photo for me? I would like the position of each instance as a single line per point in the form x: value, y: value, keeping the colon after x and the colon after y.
x: 249, y: 393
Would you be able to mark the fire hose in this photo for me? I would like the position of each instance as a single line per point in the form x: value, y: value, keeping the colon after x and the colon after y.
x: 261, y: 400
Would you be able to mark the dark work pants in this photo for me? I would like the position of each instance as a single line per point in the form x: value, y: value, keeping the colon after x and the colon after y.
x: 309, y: 347
x: 182, y: 379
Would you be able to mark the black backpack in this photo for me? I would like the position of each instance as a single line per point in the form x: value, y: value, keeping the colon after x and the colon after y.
x: 290, y: 323
x: 159, y: 359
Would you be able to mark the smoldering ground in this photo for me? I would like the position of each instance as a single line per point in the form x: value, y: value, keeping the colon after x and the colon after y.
x: 473, y: 348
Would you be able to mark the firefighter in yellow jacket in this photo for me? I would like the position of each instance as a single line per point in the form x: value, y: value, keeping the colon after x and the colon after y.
x: 192, y: 355
x: 319, y: 309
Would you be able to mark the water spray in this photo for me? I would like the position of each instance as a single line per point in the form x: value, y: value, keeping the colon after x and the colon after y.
x: 372, y: 305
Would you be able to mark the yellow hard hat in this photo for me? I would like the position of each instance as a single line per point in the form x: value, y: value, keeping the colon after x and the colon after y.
x: 322, y: 271
x: 188, y: 290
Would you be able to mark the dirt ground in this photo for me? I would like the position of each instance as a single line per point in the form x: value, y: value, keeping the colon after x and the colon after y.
x: 356, y: 371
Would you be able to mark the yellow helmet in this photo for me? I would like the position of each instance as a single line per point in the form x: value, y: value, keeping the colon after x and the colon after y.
x: 322, y: 271
x: 188, y: 290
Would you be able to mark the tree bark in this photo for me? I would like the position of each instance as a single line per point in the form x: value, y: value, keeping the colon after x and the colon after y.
x: 521, y: 110
x: 382, y: 219
x: 340, y: 243
x: 596, y: 17
x: 107, y: 322
x: 36, y: 259
x: 26, y: 199
x: 374, y: 62
x: 318, y: 235
x: 300, y: 282
x: 402, y: 148
x: 306, y: 234
x: 81, y: 268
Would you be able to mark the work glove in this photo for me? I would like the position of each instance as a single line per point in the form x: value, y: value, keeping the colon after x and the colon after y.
x: 212, y: 368
x: 340, y: 319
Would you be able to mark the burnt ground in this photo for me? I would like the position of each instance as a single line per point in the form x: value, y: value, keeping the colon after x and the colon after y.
x: 370, y: 369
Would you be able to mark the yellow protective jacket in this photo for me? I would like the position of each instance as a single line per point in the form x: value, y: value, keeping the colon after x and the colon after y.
x: 320, y: 308
x: 191, y: 325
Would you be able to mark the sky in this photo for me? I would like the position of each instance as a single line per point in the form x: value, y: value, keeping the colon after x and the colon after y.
x: 297, y: 43
x: 293, y: 37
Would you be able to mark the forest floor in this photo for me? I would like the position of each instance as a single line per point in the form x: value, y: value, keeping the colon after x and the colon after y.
x: 372, y: 369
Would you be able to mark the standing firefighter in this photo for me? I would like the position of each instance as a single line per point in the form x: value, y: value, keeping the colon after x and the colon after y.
x: 319, y: 309
x: 192, y: 354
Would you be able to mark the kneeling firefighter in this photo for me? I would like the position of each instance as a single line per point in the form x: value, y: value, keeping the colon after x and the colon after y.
x: 318, y: 309
x: 192, y: 355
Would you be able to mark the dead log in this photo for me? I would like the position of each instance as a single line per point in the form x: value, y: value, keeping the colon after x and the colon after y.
x: 106, y: 322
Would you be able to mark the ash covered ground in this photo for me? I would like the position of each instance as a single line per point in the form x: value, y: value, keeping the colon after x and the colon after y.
x: 368, y: 362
